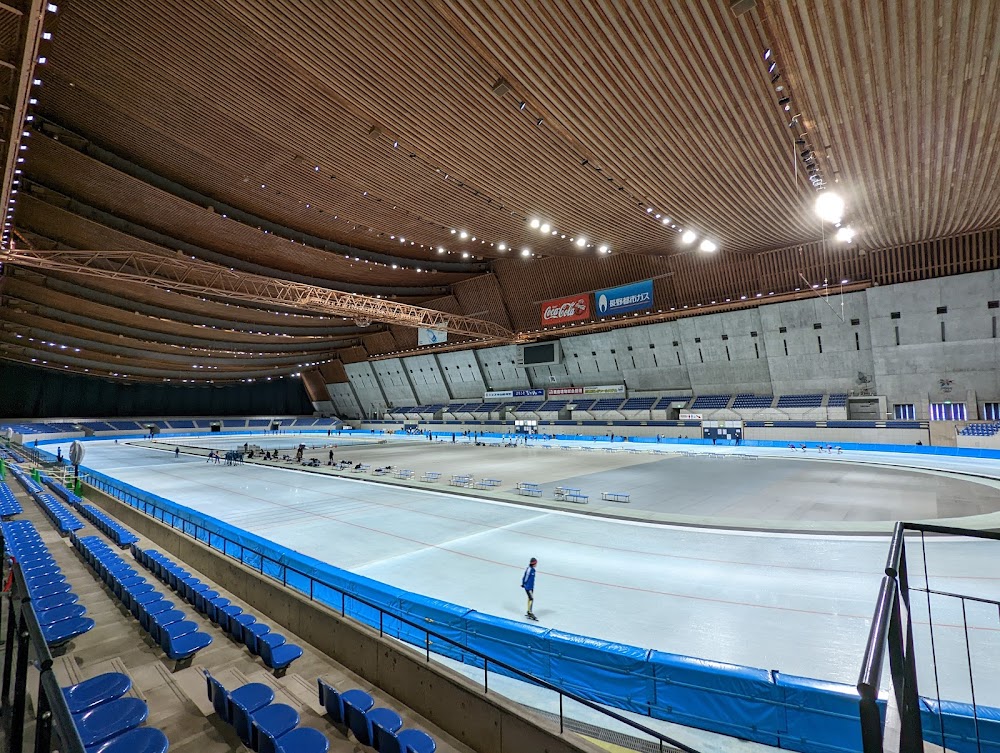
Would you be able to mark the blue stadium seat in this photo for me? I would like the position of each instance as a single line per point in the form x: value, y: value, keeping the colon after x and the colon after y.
x: 139, y: 740
x: 333, y: 700
x: 110, y: 719
x: 276, y: 653
x: 383, y: 719
x: 97, y: 690
x: 407, y: 741
x: 246, y: 699
x: 356, y: 708
x: 299, y: 740
x: 275, y: 720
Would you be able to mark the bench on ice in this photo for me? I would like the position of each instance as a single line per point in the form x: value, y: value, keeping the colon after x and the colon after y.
x: 571, y: 494
x: 488, y: 483
x: 529, y: 489
x: 615, y: 497
x: 430, y: 476
x: 404, y: 473
x: 461, y: 479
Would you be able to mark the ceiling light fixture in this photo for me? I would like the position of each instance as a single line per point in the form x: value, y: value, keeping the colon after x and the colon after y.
x: 689, y: 237
x: 581, y: 242
x: 829, y: 207
x: 845, y: 234
x: 708, y: 247
x: 545, y: 227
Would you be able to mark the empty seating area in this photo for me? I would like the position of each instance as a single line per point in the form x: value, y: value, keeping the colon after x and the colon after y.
x: 665, y: 402
x: 531, y: 405
x: 608, y: 403
x: 231, y: 424
x: 800, y: 401
x: 64, y: 521
x: 52, y: 597
x: 584, y: 404
x: 108, y: 525
x: 97, y: 426
x: 981, y: 430
x: 178, y: 637
x: 258, y: 423
x: 376, y: 727
x: 639, y: 403
x: 180, y: 423
x: 272, y: 648
x: 8, y: 503
x: 552, y: 405
x: 486, y: 407
x: 748, y: 401
x: 837, y: 400
x: 710, y: 402
x: 39, y: 428
x: 126, y: 425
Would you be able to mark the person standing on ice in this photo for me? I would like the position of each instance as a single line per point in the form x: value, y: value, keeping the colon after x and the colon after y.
x: 528, y: 584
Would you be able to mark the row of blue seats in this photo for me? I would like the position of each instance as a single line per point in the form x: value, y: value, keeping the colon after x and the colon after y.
x: 52, y: 598
x: 261, y: 725
x: 8, y: 503
x: 59, y: 490
x: 242, y: 627
x: 25, y: 480
x: 179, y: 637
x: 109, y: 723
x: 64, y: 521
x: 379, y: 728
x: 107, y: 525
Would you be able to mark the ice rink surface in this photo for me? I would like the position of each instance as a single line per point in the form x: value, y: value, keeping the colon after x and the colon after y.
x: 798, y: 603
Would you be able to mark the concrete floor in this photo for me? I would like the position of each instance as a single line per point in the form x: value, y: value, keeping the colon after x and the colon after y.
x: 799, y: 603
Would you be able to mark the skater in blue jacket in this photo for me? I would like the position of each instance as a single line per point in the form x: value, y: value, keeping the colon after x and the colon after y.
x: 528, y: 584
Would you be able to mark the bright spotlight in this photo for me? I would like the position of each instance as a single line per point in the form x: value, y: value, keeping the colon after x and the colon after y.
x: 581, y: 242
x: 535, y: 222
x: 688, y: 238
x: 604, y: 249
x: 463, y: 235
x: 845, y: 234
x: 708, y: 247
x: 546, y: 227
x: 525, y: 252
x: 829, y: 206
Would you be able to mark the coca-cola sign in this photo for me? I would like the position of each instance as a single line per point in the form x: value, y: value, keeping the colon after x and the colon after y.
x: 572, y: 309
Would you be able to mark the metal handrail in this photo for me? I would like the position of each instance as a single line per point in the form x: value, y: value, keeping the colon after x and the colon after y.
x: 487, y: 660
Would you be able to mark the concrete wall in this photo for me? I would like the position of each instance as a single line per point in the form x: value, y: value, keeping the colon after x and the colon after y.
x: 834, y: 343
x: 344, y: 402
x: 968, y: 355
x: 486, y: 723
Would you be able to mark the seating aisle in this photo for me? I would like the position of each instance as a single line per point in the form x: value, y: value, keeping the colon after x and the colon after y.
x: 177, y: 701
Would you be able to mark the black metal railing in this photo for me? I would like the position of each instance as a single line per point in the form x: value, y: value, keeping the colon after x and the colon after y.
x: 891, y: 634
x: 24, y: 646
x: 310, y: 586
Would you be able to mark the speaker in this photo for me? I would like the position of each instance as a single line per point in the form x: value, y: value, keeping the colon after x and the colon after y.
x: 500, y: 88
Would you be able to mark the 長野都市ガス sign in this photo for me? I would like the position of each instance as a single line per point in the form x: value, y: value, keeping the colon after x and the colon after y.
x: 624, y: 299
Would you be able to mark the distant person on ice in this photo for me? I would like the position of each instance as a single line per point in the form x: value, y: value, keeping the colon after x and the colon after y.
x: 528, y: 584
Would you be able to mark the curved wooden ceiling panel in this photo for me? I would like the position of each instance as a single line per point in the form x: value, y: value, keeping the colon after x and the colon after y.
x: 366, y: 123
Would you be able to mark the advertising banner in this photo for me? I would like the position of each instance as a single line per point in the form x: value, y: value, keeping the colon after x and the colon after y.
x: 612, y: 389
x: 573, y: 308
x: 502, y: 394
x: 685, y: 416
x: 431, y: 336
x: 624, y: 299
x: 565, y: 391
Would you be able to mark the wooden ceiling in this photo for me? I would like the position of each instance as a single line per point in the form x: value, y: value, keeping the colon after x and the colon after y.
x: 342, y: 143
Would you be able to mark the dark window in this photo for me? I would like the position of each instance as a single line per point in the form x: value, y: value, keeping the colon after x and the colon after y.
x: 753, y: 334
x: 630, y: 347
x: 942, y: 309
x: 593, y: 352
x: 576, y: 355
x: 993, y: 304
x: 651, y: 346
x: 855, y: 322
x: 894, y: 315
x: 817, y: 325
x: 697, y: 339
x: 725, y: 337
x: 612, y: 351
x: 782, y: 330
x: 676, y: 343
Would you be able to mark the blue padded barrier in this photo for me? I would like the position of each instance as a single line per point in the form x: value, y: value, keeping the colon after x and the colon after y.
x: 794, y: 713
x: 962, y: 725
x: 819, y: 716
x: 737, y: 701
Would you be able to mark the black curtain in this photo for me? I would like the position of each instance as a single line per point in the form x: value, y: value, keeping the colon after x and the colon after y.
x: 29, y: 392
